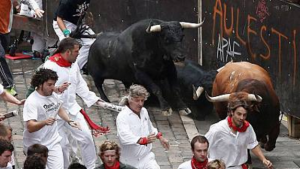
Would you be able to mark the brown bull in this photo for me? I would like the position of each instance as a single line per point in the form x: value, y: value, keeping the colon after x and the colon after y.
x: 256, y: 82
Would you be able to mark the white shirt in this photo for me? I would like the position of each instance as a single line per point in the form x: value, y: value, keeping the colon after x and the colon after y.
x: 229, y: 147
x: 38, y: 107
x: 9, y: 166
x: 1, y: 89
x: 77, y: 86
x: 186, y: 165
x: 130, y: 129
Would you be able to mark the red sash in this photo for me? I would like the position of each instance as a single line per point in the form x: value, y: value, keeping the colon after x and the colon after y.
x: 242, y: 129
x: 199, y: 165
x: 244, y: 166
x: 94, y: 126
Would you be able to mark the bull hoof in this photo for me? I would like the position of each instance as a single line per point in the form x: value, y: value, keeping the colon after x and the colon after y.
x: 185, y: 112
x: 167, y: 112
x: 269, y: 147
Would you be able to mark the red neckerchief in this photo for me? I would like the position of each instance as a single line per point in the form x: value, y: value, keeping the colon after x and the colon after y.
x: 199, y: 165
x: 242, y: 129
x: 58, y: 59
x: 115, y: 166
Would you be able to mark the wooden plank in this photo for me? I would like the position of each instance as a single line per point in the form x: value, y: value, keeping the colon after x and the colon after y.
x: 293, y: 126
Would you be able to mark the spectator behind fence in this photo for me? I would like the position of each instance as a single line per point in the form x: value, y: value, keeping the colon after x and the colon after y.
x: 110, y: 156
x: 199, y: 146
x: 136, y: 132
x: 6, y: 19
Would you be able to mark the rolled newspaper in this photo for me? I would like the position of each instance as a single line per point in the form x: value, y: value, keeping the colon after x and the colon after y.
x: 11, y: 114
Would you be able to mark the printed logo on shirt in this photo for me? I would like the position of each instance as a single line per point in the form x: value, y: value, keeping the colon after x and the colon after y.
x: 81, y: 9
x: 51, y: 107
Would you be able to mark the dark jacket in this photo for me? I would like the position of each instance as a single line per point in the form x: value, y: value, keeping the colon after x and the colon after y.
x: 122, y: 166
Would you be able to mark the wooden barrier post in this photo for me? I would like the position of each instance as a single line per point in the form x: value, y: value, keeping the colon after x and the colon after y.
x: 293, y: 126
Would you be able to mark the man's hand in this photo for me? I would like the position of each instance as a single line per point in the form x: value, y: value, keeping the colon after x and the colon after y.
x: 75, y: 124
x: 50, y: 121
x: 2, y: 117
x: 63, y: 87
x: 21, y: 102
x: 164, y: 142
x: 101, y: 103
x: 66, y: 32
x: 268, y: 163
x: 151, y: 138
x: 39, y: 12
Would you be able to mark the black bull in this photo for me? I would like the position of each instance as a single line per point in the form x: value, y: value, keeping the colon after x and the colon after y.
x: 193, y: 82
x: 144, y: 53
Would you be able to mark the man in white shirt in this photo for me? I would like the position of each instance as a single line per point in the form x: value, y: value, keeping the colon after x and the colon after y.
x: 199, y: 146
x: 230, y: 138
x: 136, y: 132
x: 6, y: 149
x: 39, y: 115
x: 63, y: 63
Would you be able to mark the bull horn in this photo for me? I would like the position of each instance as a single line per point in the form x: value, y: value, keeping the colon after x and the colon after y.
x: 218, y: 70
x: 191, y: 25
x: 253, y: 97
x: 221, y: 98
x: 154, y: 28
x: 197, y: 93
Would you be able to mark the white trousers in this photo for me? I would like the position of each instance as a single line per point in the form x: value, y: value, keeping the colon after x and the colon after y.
x: 148, y: 162
x: 40, y: 43
x: 83, y: 137
x: 55, y: 158
x: 85, y: 42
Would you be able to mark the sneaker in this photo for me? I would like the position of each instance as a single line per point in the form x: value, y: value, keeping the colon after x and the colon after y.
x: 12, y: 91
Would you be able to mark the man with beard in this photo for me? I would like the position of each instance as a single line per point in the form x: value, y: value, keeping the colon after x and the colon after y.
x: 199, y: 146
x: 231, y: 138
x: 63, y: 63
x: 136, y: 132
x: 39, y: 114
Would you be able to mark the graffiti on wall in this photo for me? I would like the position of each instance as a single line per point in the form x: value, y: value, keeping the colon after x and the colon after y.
x: 227, y: 49
x: 262, y: 10
x: 227, y: 23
